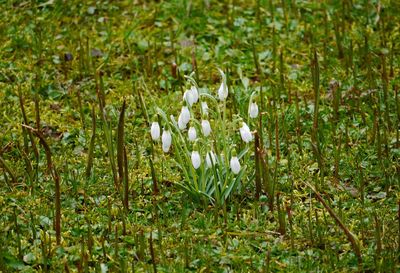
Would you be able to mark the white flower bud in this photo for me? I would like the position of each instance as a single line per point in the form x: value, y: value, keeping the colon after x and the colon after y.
x: 192, y: 134
x: 155, y: 130
x: 196, y: 160
x: 235, y: 165
x: 253, y: 110
x: 223, y: 91
x: 245, y: 133
x: 195, y: 94
x: 185, y: 114
x: 188, y: 97
x: 181, y: 124
x: 166, y: 140
x: 205, y: 127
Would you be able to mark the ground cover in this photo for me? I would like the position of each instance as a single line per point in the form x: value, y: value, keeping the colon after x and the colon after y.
x: 300, y: 169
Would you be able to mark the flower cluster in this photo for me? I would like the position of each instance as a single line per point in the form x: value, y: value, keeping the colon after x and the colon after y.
x: 209, y: 133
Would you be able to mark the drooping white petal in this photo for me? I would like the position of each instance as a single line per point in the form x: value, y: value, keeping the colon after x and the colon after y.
x: 253, y: 110
x: 204, y: 107
x: 192, y: 133
x: 155, y: 131
x: 210, y: 159
x: 235, y: 165
x: 195, y: 94
x: 245, y: 133
x: 205, y: 127
x: 185, y: 115
x: 196, y: 160
x: 166, y: 140
x: 223, y: 91
x: 181, y: 124
x: 188, y: 97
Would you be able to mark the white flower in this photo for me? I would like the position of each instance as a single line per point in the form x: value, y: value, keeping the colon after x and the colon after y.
x: 166, y: 140
x: 235, y: 165
x: 210, y: 159
x: 195, y: 94
x: 196, y: 161
x: 188, y: 97
x: 181, y: 124
x: 192, y: 133
x: 204, y: 107
x: 205, y: 127
x: 184, y: 117
x: 223, y: 91
x: 253, y: 110
x: 245, y: 133
x: 185, y: 114
x: 155, y: 130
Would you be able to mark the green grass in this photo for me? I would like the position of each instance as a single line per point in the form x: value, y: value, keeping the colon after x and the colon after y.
x: 326, y: 163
